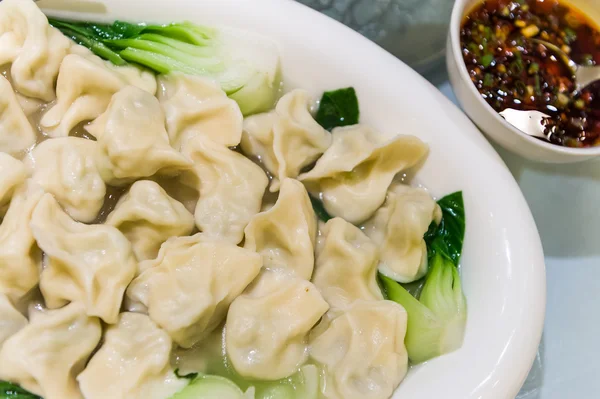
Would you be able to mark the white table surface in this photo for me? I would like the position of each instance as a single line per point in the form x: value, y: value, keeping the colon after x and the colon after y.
x: 564, y: 200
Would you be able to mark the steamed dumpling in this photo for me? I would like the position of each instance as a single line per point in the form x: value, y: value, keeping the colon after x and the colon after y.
x: 267, y: 326
x: 353, y: 175
x: 190, y: 285
x: 148, y: 217
x: 34, y: 48
x: 197, y: 106
x: 65, y: 167
x: 346, y: 264
x: 398, y: 228
x: 91, y: 264
x: 361, y: 351
x: 286, y: 139
x: 11, y: 320
x: 13, y: 174
x: 285, y: 234
x: 16, y: 133
x: 84, y: 89
x: 132, y: 363
x: 231, y: 189
x: 132, y: 139
x: 45, y: 356
x: 20, y: 258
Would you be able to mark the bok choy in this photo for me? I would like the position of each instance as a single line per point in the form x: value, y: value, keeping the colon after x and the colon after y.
x: 437, y: 319
x: 12, y: 391
x: 245, y: 65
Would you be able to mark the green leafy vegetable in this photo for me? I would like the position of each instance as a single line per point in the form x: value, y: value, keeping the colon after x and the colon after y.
x: 447, y: 237
x: 437, y: 319
x: 246, y: 68
x: 319, y: 209
x: 338, y: 108
x: 12, y: 391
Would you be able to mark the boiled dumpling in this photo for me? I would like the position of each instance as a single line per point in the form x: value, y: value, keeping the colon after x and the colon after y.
x: 91, y: 264
x: 267, y: 326
x: 190, y: 285
x: 132, y: 139
x: 353, y: 175
x: 398, y: 228
x: 34, y: 48
x: 46, y: 355
x: 11, y: 320
x: 16, y: 133
x: 20, y: 258
x: 231, y: 189
x: 13, y: 174
x: 287, y: 139
x: 65, y: 167
x: 361, y: 351
x: 132, y: 363
x: 84, y: 90
x: 285, y: 234
x: 197, y: 106
x: 148, y: 217
x: 346, y: 264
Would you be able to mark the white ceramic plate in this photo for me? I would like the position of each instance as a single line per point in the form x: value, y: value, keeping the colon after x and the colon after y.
x: 503, y: 264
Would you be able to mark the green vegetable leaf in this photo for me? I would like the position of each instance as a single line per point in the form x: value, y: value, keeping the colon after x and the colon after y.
x: 447, y: 237
x: 338, y: 108
x: 319, y: 209
x: 437, y: 320
x: 252, y: 80
x: 12, y: 391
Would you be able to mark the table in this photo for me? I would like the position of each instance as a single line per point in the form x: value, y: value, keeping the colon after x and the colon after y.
x: 562, y: 199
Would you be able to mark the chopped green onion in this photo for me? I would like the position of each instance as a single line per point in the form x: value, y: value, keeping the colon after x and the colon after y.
x: 570, y: 35
x: 487, y: 60
x: 533, y: 68
x: 538, y: 86
x: 488, y: 80
x: 521, y: 87
x: 516, y: 67
x: 588, y: 60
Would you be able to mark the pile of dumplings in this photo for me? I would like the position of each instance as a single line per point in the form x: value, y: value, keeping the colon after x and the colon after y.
x: 213, y: 231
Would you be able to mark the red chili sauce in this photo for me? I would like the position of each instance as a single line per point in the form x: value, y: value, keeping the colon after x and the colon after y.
x: 512, y: 70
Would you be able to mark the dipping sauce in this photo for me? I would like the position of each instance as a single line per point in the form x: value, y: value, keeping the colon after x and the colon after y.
x: 511, y: 69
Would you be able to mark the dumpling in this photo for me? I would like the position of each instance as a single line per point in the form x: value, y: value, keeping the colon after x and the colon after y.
x: 231, y: 189
x: 11, y: 320
x: 196, y: 106
x: 148, y: 217
x: 65, y: 167
x: 190, y: 285
x: 353, y: 175
x: 91, y: 264
x: 346, y: 264
x: 398, y: 228
x: 132, y: 363
x: 13, y: 174
x: 46, y: 355
x: 34, y: 48
x: 267, y: 326
x: 20, y: 259
x: 285, y: 234
x: 16, y: 133
x: 132, y: 139
x: 84, y: 89
x: 287, y: 139
x: 361, y: 351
